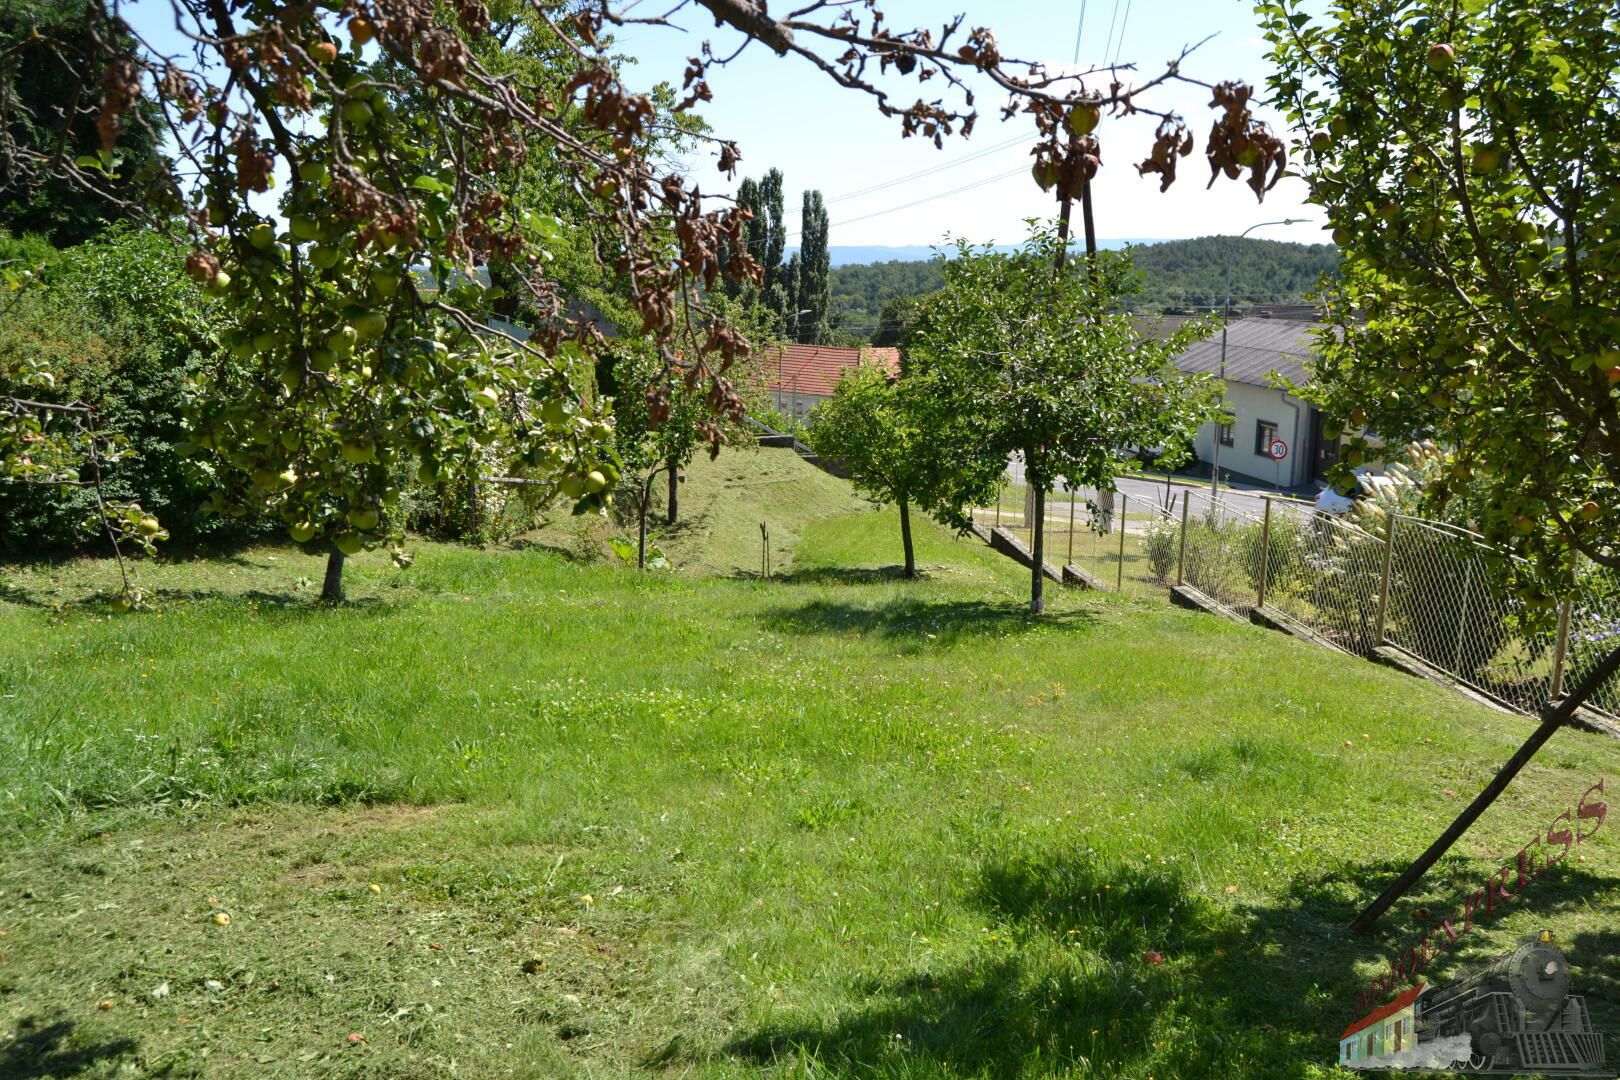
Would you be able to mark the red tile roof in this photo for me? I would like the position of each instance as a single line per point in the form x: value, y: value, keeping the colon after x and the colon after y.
x: 814, y: 369
x: 1405, y: 998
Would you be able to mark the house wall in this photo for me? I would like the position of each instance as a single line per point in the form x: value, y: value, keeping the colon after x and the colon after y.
x: 1249, y: 405
x: 797, y: 405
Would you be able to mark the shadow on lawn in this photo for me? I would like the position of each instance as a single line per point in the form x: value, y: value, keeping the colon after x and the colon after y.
x: 917, y: 620
x: 843, y: 575
x: 44, y: 1052
x: 1243, y: 991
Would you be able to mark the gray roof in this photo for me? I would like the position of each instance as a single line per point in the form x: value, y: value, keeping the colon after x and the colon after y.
x: 1254, y: 349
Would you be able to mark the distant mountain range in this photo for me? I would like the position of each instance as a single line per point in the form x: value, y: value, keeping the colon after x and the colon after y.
x: 875, y: 253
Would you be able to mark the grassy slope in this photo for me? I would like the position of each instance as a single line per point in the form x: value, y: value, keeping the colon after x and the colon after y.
x: 622, y: 822
x: 722, y: 503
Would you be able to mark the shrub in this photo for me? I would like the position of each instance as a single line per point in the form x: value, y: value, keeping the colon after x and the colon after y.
x: 122, y: 329
x: 1161, y: 542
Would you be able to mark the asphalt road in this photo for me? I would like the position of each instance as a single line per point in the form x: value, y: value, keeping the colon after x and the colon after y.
x: 1244, y: 498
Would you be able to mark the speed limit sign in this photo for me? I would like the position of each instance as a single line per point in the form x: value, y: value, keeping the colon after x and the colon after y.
x: 1278, y: 449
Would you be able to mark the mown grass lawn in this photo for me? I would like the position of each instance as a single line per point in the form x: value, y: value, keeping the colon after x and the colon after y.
x: 511, y: 815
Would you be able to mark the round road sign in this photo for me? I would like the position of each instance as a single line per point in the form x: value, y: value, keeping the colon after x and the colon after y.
x: 1278, y: 449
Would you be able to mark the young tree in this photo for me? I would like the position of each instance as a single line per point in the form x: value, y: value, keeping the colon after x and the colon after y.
x: 1467, y: 155
x: 898, y: 450
x: 1053, y: 370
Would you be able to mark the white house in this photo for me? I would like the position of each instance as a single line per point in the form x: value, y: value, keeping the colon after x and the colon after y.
x: 1274, y: 438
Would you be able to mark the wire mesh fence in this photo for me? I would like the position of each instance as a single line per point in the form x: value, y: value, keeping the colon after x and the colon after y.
x: 1433, y: 591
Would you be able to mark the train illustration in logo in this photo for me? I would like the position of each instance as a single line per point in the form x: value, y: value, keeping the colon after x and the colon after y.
x: 1514, y: 1015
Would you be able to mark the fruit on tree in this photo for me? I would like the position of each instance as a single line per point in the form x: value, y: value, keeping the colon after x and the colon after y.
x: 323, y: 52
x: 595, y: 481
x: 148, y: 526
x: 369, y: 325
x: 572, y: 485
x: 305, y: 227
x: 1321, y: 142
x: 262, y: 235
x: 1589, y: 510
x: 363, y: 518
x: 349, y: 543
x: 1440, y: 57
x: 302, y: 532
x: 1083, y: 118
x: 359, y: 451
x: 486, y: 398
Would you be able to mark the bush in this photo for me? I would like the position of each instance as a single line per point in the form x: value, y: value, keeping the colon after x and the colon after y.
x: 1162, y: 540
x: 123, y: 330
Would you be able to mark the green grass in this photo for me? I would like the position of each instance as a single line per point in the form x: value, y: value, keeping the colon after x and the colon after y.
x: 834, y: 824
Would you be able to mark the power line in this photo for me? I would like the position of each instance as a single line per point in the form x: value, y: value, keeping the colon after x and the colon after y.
x: 931, y: 198
x: 920, y: 174
x: 1109, y: 41
x: 1078, y: 30
x: 1126, y: 21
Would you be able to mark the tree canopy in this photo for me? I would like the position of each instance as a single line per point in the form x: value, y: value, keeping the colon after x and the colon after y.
x: 1052, y: 370
x: 1467, y: 156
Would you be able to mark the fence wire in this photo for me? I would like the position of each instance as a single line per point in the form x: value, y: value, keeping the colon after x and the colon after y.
x: 1445, y: 600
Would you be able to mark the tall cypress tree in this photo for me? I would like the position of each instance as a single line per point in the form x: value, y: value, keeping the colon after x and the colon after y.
x: 815, y: 278
x: 755, y: 233
x: 770, y: 193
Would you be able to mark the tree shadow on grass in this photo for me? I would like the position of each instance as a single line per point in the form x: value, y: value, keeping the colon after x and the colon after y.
x: 1066, y: 978
x: 843, y: 575
x: 41, y: 1052
x: 917, y: 621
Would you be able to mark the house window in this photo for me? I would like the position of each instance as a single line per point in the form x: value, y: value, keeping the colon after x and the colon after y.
x: 1264, y: 432
x: 1223, y: 432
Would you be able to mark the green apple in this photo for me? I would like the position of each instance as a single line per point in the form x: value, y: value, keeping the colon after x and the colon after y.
x: 426, y: 473
x: 303, y: 532
x: 312, y: 172
x: 262, y: 235
x: 1440, y: 57
x: 370, y: 324
x: 359, y: 451
x: 386, y: 282
x: 342, y: 340
x: 148, y: 526
x: 572, y: 485
x: 595, y: 481
x: 325, y: 257
x: 218, y: 285
x: 357, y: 113
x: 305, y: 227
x: 349, y: 543
x: 265, y: 341
x: 322, y: 359
x: 486, y: 398
x: 290, y: 377
x: 363, y: 518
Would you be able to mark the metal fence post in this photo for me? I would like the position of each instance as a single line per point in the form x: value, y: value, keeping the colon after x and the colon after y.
x: 1383, y: 587
x: 1181, y: 554
x: 1071, y: 521
x: 1560, y: 649
x: 1119, y: 578
x: 1265, y: 555
x: 1000, y: 484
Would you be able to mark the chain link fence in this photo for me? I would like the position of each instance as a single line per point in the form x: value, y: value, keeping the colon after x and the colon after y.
x: 1427, y: 589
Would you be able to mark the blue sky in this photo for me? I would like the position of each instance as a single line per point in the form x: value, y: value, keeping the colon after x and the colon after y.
x: 786, y: 114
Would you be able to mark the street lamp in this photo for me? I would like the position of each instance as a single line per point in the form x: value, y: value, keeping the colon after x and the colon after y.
x: 1226, y: 318
x: 794, y: 318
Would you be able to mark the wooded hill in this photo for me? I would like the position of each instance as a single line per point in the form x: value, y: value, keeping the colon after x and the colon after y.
x: 1176, y: 276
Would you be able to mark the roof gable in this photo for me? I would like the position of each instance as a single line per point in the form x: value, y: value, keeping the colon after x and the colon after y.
x: 1254, y: 349
x: 815, y: 369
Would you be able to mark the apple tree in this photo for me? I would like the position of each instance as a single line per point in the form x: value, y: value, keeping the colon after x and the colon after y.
x: 1050, y: 367
x: 883, y: 428
x: 1468, y: 156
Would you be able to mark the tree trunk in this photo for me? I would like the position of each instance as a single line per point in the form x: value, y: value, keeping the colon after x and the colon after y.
x: 673, y: 509
x: 332, y: 586
x: 1037, y: 581
x: 641, y: 537
x: 905, y: 539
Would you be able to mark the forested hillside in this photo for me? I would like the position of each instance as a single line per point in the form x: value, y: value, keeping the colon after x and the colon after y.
x: 1177, y: 275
